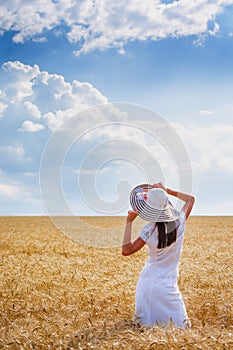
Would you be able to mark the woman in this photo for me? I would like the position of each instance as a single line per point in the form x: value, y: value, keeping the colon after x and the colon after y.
x: 158, y: 299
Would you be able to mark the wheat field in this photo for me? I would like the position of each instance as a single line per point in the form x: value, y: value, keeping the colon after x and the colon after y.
x: 60, y: 294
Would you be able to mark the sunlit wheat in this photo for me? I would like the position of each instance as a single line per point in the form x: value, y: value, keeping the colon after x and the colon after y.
x: 57, y: 294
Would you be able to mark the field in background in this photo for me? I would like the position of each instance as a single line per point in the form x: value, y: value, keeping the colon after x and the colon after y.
x: 58, y: 294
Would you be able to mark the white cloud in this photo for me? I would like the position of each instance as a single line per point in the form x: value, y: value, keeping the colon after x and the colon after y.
x: 40, y: 40
x: 17, y: 151
x: 29, y: 174
x: 18, y: 198
x: 13, y: 155
x: 210, y: 148
x: 56, y: 119
x: 2, y: 108
x: 31, y: 127
x: 32, y: 109
x: 105, y: 23
x: 215, y: 30
x: 8, y: 191
x: 16, y: 81
x: 32, y: 94
x: 85, y: 94
x: 17, y: 69
x: 206, y: 112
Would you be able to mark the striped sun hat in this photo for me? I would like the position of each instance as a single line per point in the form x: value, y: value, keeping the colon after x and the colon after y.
x: 152, y: 204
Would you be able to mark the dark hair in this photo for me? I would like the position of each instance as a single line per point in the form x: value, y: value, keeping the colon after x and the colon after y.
x: 167, y: 233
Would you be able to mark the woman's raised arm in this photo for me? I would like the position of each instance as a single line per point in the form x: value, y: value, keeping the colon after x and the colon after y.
x: 187, y: 198
x: 129, y: 247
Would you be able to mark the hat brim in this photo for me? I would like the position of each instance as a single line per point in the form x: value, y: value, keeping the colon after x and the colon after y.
x: 148, y: 213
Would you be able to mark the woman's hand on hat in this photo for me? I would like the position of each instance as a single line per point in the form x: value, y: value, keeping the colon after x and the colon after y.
x: 131, y: 216
x: 160, y: 185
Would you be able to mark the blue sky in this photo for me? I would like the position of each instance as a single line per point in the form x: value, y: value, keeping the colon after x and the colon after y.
x: 59, y: 58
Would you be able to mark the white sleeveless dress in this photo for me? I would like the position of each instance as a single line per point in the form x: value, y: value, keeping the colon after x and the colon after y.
x: 158, y: 299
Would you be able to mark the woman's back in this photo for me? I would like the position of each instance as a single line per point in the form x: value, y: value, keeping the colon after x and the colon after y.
x: 163, y: 262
